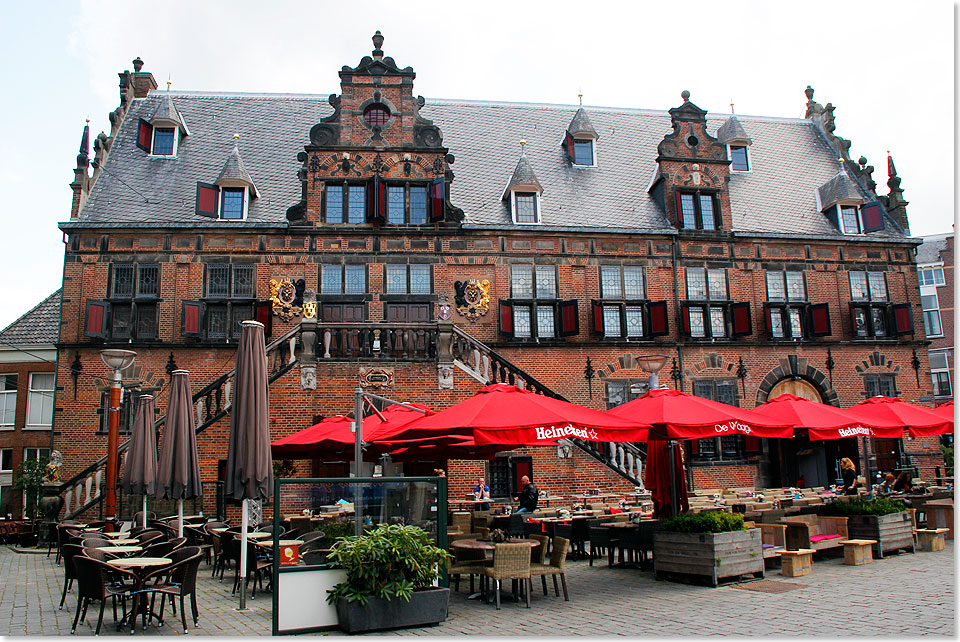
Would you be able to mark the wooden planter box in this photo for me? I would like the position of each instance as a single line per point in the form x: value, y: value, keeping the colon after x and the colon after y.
x: 709, y: 555
x: 892, y: 532
x: 425, y: 608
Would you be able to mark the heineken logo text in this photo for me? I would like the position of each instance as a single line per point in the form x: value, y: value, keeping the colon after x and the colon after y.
x: 733, y: 426
x: 855, y: 430
x: 554, y: 432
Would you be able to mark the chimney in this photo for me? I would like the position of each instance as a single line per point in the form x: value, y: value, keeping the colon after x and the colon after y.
x: 137, y: 84
x: 81, y: 177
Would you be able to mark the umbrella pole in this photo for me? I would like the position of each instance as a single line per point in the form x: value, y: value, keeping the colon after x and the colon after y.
x: 180, y: 515
x: 357, y: 459
x: 673, y: 479
x: 144, y: 511
x: 243, y: 556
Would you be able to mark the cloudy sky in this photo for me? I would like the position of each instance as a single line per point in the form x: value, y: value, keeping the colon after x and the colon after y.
x: 888, y: 67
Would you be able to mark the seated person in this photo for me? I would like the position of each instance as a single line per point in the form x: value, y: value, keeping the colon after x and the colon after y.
x: 886, y: 487
x: 482, y: 491
x: 904, y: 483
x: 528, y: 497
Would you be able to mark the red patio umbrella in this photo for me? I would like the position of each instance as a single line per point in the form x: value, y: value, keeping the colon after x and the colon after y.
x: 920, y: 421
x: 503, y: 414
x: 823, y: 421
x: 657, y: 478
x: 945, y: 410
x: 433, y: 449
x: 680, y: 415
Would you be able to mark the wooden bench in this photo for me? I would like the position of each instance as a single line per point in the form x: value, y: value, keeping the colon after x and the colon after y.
x: 773, y: 539
x: 815, y: 531
x: 932, y: 539
x: 796, y: 563
x: 858, y: 551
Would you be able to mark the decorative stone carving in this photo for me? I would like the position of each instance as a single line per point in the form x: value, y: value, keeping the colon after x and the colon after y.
x: 283, y: 293
x: 445, y: 377
x: 472, y: 298
x: 308, y: 378
x: 376, y: 377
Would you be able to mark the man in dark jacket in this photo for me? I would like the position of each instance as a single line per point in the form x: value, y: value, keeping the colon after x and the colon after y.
x: 528, y: 497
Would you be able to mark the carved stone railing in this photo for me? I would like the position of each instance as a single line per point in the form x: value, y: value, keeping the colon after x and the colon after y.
x: 377, y: 341
x: 487, y: 366
x: 211, y: 404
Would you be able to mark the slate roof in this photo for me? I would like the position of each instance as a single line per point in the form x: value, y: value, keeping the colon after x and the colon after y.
x: 235, y: 170
x: 38, y: 326
x: 167, y: 111
x: 581, y: 124
x: 840, y: 187
x: 732, y: 130
x: 929, y: 251
x: 790, y: 159
x: 523, y: 176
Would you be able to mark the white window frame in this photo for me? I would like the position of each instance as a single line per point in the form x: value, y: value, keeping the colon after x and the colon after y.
x: 933, y: 293
x: 536, y: 204
x: 176, y: 140
x: 840, y: 223
x: 30, y: 396
x: 746, y: 148
x: 936, y: 371
x: 7, y: 394
x: 246, y: 201
x: 593, y: 150
x: 934, y: 269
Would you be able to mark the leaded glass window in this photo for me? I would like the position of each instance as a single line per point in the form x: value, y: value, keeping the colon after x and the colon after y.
x: 545, y: 321
x: 418, y: 205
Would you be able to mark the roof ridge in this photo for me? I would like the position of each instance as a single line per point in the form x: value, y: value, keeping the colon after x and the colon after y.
x: 30, y: 311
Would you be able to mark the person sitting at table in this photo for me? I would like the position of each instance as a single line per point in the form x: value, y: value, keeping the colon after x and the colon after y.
x: 528, y: 497
x: 886, y: 486
x: 482, y: 491
x: 849, y: 473
x: 904, y: 483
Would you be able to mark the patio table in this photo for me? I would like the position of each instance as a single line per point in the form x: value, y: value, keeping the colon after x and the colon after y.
x: 121, y: 550
x: 124, y: 542
x: 141, y: 566
x: 487, y: 545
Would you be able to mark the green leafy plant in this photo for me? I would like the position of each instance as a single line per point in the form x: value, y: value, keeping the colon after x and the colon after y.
x: 29, y: 478
x: 704, y: 522
x: 947, y: 458
x: 284, y: 468
x: 857, y: 506
x: 389, y: 561
x: 332, y: 531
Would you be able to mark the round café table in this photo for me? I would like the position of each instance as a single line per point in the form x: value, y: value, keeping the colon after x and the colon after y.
x: 141, y: 566
x: 117, y: 535
x: 121, y: 550
x: 124, y: 542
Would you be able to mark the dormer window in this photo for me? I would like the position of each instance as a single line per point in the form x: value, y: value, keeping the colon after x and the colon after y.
x: 160, y: 136
x: 849, y: 219
x: 164, y: 141
x: 229, y: 197
x: 739, y: 158
x: 697, y: 211
x: 580, y: 141
x: 233, y: 201
x: 523, y: 192
x: 526, y: 207
x: 583, y: 152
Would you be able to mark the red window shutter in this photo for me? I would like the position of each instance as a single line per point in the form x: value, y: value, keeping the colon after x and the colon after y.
x: 872, y: 216
x: 767, y: 317
x: 506, y: 318
x: 751, y: 444
x: 375, y: 200
x: 437, y: 211
x: 902, y: 319
x: 570, y: 151
x: 597, y: 316
x: 686, y: 320
x: 144, y: 135
x: 694, y: 446
x: 95, y: 320
x: 208, y: 200
x: 657, y: 322
x: 263, y: 312
x: 819, y: 320
x: 742, y: 323
x: 676, y: 200
x: 569, y: 318
x: 190, y: 323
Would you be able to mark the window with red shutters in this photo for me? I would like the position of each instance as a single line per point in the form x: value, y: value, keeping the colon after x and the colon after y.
x: 208, y: 200
x: 437, y: 213
x: 597, y: 309
x: 686, y: 320
x: 751, y: 444
x: 570, y: 148
x: 144, y: 135
x: 819, y: 324
x: 902, y: 319
x: 95, y: 320
x: 569, y: 318
x: 191, y: 319
x: 376, y: 201
x: 263, y: 312
x: 872, y: 216
x: 659, y: 324
x: 742, y: 323
x: 506, y: 318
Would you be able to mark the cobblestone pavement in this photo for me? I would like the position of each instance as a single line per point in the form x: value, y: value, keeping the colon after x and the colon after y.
x: 901, y: 595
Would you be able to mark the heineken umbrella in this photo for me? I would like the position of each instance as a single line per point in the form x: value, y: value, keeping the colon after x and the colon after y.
x: 249, y: 473
x: 178, y: 472
x: 140, y: 466
x: 822, y: 421
x: 919, y: 421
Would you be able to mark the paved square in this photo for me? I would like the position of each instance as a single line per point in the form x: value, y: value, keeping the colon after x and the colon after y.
x: 900, y: 595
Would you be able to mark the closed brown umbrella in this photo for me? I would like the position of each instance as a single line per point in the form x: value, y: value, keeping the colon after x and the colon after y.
x: 178, y: 472
x: 140, y: 466
x: 249, y: 464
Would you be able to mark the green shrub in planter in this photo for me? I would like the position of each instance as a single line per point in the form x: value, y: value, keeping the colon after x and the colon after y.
x: 389, y: 561
x: 879, y: 506
x: 704, y: 522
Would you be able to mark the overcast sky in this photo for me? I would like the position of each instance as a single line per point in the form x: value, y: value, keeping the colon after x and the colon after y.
x: 888, y: 67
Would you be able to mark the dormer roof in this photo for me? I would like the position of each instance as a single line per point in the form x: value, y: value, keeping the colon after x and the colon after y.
x: 523, y: 179
x: 168, y: 114
x: 839, y: 189
x: 732, y: 132
x: 581, y: 126
x: 234, y: 173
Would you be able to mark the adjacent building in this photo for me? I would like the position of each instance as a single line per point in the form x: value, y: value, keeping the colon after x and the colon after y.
x: 422, y: 248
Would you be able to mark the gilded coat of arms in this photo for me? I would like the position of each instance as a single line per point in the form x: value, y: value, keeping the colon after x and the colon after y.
x: 472, y: 298
x: 283, y: 293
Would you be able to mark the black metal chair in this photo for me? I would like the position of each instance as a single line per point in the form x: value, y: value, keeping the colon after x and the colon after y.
x: 601, y: 539
x: 93, y: 584
x: 647, y: 528
x: 69, y: 551
x: 181, y: 581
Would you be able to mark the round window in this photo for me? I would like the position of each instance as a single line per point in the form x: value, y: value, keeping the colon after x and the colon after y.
x: 376, y: 115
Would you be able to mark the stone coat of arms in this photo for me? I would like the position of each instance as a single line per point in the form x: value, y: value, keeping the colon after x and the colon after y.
x: 287, y: 297
x: 472, y: 298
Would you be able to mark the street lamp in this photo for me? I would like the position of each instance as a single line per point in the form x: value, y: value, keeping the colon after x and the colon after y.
x: 116, y: 360
x: 652, y: 363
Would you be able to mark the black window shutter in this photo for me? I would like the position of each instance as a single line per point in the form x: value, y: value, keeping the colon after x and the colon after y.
x: 506, y: 318
x: 208, y: 200
x: 437, y: 213
x: 742, y: 324
x: 96, y: 319
x: 751, y: 444
x: 569, y: 318
x: 818, y: 316
x: 872, y: 216
x: 191, y: 319
x: 685, y: 312
x: 597, y: 310
x: 901, y: 319
x: 570, y: 150
x: 144, y: 135
x: 832, y: 216
x: 263, y: 312
x: 376, y: 203
x: 657, y: 321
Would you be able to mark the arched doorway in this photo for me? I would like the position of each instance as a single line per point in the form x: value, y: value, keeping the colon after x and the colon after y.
x: 796, y: 387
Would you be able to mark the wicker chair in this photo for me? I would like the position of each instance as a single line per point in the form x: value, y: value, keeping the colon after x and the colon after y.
x: 510, y: 562
x: 461, y: 522
x: 558, y: 559
x: 538, y: 554
x: 92, y: 584
x: 467, y: 562
x: 69, y: 551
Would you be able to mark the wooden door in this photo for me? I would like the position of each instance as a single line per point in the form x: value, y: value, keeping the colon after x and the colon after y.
x: 796, y: 387
x: 412, y: 342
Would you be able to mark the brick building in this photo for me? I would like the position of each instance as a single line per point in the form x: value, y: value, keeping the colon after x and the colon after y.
x: 935, y: 275
x: 451, y: 243
x: 28, y: 356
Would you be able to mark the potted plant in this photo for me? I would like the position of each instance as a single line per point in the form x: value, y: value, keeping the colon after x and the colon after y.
x: 390, y: 572
x: 882, y: 519
x: 709, y: 544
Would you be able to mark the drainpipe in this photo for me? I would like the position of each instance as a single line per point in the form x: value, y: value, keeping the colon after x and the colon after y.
x: 676, y: 306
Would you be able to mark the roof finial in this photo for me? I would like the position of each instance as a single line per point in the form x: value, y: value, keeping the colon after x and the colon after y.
x: 169, y: 82
x: 731, y: 106
x: 580, y: 96
x: 377, y: 44
x: 137, y: 64
x: 685, y: 95
x: 236, y: 136
x: 523, y: 145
